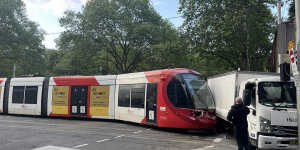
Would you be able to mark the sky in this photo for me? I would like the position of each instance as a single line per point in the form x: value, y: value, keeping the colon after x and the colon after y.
x: 47, y: 13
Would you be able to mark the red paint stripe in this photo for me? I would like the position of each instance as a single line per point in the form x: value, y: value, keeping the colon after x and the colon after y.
x: 157, y: 75
x: 58, y: 115
x: 76, y: 80
x: 144, y: 121
x: 153, y: 76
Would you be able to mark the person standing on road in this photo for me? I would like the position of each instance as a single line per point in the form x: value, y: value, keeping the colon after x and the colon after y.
x: 238, y: 116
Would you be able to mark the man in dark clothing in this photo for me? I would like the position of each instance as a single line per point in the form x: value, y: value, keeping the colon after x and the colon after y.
x: 238, y: 116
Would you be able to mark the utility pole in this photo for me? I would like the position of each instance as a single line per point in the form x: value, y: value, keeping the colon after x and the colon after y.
x: 279, y: 56
x: 297, y: 76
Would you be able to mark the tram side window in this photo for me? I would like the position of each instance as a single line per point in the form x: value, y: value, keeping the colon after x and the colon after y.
x: 178, y: 96
x: 138, y: 96
x: 18, y: 94
x: 124, y: 96
x: 31, y: 94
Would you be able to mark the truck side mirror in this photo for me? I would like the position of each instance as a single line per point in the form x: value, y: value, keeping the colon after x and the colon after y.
x: 247, y: 97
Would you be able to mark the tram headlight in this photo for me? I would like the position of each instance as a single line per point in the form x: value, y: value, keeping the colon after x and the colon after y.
x: 265, y: 125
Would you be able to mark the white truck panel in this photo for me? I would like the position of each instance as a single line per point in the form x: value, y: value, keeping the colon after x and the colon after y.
x: 226, y: 87
x: 281, y: 118
x: 223, y: 90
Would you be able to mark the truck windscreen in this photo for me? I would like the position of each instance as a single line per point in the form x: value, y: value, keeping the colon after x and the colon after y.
x: 277, y: 94
x: 199, y: 91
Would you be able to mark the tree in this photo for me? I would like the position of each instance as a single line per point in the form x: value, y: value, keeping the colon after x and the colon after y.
x: 20, y: 40
x: 238, y: 32
x: 171, y: 51
x: 53, y: 58
x: 120, y: 32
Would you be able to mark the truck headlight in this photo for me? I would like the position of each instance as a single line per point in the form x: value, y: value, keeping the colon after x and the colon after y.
x: 265, y: 125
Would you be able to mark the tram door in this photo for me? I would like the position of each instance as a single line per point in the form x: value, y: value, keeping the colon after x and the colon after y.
x: 79, y: 100
x: 151, y: 103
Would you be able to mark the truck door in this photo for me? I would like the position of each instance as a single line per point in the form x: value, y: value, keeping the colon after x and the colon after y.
x: 151, y: 102
x: 252, y: 117
x: 79, y: 100
x: 252, y: 126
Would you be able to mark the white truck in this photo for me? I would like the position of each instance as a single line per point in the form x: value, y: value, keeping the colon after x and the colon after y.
x: 272, y: 122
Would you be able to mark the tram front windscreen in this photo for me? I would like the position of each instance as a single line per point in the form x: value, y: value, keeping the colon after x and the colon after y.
x: 199, y: 91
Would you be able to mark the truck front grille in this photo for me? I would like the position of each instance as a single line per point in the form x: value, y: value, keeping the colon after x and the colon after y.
x: 285, y: 131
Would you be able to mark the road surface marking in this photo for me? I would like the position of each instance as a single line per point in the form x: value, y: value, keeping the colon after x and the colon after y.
x: 218, y: 140
x: 204, y: 148
x: 82, y: 145
x: 51, y: 124
x: 166, y: 140
x: 53, y: 148
x: 118, y: 136
x: 136, y: 132
x: 103, y: 140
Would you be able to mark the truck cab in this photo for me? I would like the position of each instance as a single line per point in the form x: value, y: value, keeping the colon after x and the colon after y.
x: 272, y: 122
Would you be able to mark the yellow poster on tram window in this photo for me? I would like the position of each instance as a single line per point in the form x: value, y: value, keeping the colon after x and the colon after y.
x: 99, y: 100
x: 60, y: 103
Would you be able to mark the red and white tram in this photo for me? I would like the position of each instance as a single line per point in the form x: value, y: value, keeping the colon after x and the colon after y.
x: 172, y: 98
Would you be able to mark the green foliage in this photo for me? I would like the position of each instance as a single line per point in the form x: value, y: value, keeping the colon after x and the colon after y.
x: 115, y: 35
x: 236, y: 32
x: 53, y: 57
x: 20, y: 41
x: 120, y: 36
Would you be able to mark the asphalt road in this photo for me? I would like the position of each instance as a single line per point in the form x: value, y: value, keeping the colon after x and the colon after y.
x: 27, y: 133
